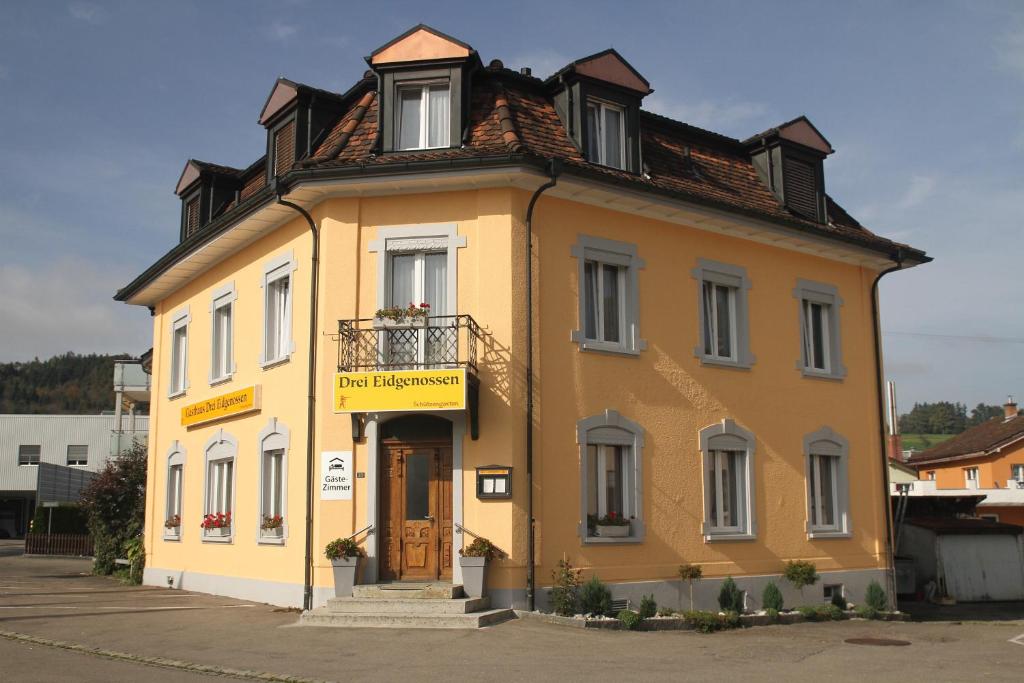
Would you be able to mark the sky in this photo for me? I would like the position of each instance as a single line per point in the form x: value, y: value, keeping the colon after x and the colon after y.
x: 103, y: 102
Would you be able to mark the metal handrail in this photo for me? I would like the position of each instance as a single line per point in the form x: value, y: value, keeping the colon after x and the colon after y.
x: 369, y: 528
x: 431, y: 342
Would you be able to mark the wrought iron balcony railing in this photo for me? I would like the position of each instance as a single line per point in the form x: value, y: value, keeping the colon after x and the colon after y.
x: 442, y: 341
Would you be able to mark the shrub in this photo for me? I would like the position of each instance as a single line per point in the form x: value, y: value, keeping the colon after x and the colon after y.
x: 771, y: 598
x: 801, y: 573
x: 772, y: 613
x: 828, y: 612
x: 867, y: 612
x: 135, y: 553
x: 67, y: 519
x: 838, y: 600
x: 342, y: 547
x: 115, y: 503
x: 875, y: 597
x: 595, y: 598
x: 730, y: 598
x: 665, y: 611
x: 648, y: 607
x: 709, y: 622
x: 563, y: 593
x: 690, y: 573
x: 481, y: 547
x: 630, y: 619
x: 809, y: 613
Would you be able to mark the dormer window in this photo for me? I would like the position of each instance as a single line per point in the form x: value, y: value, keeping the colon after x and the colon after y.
x: 283, y: 148
x: 423, y: 116
x: 606, y: 134
x: 192, y: 215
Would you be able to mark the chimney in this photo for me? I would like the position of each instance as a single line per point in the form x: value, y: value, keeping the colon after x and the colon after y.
x: 1009, y: 409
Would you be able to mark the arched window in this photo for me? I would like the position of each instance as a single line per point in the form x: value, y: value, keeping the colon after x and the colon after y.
x: 728, y: 452
x: 175, y: 481
x: 273, y: 458
x: 611, y: 481
x: 219, y: 495
x: 828, y: 487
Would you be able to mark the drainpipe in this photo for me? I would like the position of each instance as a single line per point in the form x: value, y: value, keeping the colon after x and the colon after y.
x: 889, y: 547
x: 554, y: 168
x: 307, y: 585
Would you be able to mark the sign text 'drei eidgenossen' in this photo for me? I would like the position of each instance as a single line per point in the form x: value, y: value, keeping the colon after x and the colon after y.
x: 388, y: 391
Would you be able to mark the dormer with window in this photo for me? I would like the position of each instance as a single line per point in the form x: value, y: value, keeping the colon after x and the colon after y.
x: 424, y: 88
x: 598, y: 99
x: 205, y: 190
x: 790, y: 160
x: 297, y: 118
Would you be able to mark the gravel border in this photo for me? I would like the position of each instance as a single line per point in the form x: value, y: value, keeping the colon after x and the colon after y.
x: 680, y: 624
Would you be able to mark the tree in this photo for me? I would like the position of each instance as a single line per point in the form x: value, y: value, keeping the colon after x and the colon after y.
x: 115, y: 501
x: 983, y: 413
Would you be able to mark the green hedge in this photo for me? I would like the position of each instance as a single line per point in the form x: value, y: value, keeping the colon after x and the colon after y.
x: 67, y: 519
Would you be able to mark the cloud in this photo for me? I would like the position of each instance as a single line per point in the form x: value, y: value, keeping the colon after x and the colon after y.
x: 282, y: 32
x: 735, y: 118
x: 87, y: 12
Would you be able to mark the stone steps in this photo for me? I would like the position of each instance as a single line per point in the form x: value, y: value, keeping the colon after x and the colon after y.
x: 407, y: 606
x: 408, y: 591
x: 325, y: 617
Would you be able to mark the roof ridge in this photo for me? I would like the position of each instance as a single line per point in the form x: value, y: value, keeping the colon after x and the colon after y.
x: 509, y: 133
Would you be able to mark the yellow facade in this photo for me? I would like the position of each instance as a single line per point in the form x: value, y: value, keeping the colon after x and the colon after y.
x: 665, y: 389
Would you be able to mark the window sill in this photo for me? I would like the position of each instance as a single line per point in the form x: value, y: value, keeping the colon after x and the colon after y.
x: 176, y: 394
x: 723, y: 363
x: 728, y: 537
x: 217, y: 539
x: 606, y: 347
x: 216, y: 381
x: 271, y: 540
x: 172, y: 537
x: 828, y: 534
x: 597, y: 540
x: 818, y: 374
x: 270, y: 364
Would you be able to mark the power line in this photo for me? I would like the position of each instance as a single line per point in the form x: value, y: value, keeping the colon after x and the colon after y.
x: 959, y: 337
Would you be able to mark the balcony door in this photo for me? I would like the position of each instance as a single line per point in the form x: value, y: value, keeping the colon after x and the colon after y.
x: 417, y: 278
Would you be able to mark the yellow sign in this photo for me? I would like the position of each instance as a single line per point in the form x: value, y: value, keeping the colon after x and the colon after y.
x: 389, y: 391
x: 225, y: 405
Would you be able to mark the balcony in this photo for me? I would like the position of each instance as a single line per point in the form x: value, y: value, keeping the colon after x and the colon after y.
x: 131, y: 381
x: 121, y: 441
x: 437, y: 342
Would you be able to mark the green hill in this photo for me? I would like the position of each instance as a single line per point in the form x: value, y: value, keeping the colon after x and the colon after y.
x: 65, y: 384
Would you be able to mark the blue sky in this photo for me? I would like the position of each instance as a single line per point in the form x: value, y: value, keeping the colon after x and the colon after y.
x: 924, y: 102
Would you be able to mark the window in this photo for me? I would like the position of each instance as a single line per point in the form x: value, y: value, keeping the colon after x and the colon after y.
x: 611, y: 454
x: 1017, y: 473
x: 971, y: 477
x: 222, y: 309
x: 179, y: 353
x: 608, y: 296
x: 728, y: 452
x: 606, y: 134
x: 28, y: 455
x: 277, y: 310
x: 78, y: 456
x: 820, y: 350
x: 420, y: 277
x: 191, y: 216
x: 826, y: 454
x: 273, y: 521
x: 423, y: 116
x: 218, y: 506
x: 175, y: 481
x: 724, y: 322
x: 833, y: 589
x: 284, y: 149
x: 931, y: 475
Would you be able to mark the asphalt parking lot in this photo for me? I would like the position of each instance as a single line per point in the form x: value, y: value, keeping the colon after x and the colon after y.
x: 59, y: 623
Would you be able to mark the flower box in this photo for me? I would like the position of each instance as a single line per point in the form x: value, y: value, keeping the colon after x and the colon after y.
x: 401, y: 323
x: 277, y: 532
x: 217, y: 532
x: 612, y: 530
x: 346, y: 571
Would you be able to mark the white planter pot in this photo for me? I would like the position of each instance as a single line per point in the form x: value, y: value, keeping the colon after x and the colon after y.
x: 346, y: 570
x: 272, y: 533
x: 612, y: 530
x: 388, y: 323
x: 474, y: 576
x: 217, y: 532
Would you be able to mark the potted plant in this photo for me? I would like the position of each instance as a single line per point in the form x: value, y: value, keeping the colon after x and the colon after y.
x: 173, y: 525
x: 217, y: 524
x: 473, y: 560
x: 344, y: 555
x: 395, y: 316
x: 612, y: 525
x: 272, y: 526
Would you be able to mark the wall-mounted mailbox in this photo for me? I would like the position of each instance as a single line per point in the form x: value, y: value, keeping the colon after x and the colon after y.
x: 494, y: 481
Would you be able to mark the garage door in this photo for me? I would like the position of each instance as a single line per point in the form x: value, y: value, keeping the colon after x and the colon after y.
x: 984, y: 567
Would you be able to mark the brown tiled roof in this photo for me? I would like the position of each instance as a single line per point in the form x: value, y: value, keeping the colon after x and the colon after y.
x: 976, y: 441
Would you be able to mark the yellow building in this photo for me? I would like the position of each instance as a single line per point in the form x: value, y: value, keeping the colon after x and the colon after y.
x: 697, y: 321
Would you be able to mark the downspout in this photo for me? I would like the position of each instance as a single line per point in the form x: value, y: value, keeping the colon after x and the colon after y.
x: 879, y: 380
x: 307, y: 584
x: 554, y: 168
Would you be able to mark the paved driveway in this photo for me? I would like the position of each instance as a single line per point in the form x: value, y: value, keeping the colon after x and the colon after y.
x: 43, y: 600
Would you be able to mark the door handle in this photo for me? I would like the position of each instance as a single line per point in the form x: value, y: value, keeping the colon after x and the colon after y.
x: 429, y: 518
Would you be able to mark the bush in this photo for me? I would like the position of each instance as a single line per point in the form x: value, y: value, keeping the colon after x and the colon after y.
x: 838, y: 600
x: 709, y: 622
x: 115, y: 503
x: 135, y: 553
x: 595, y: 598
x: 630, y: 619
x: 690, y: 573
x: 67, y: 519
x: 828, y: 612
x: 342, y: 547
x: 771, y: 598
x: 666, y: 611
x: 875, y: 597
x: 563, y: 592
x: 730, y: 598
x: 648, y: 607
x: 809, y: 613
x: 867, y: 612
x: 481, y: 547
x: 772, y: 613
x: 801, y: 573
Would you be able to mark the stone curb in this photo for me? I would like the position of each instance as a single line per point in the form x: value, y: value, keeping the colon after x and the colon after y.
x: 158, y: 661
x: 677, y: 624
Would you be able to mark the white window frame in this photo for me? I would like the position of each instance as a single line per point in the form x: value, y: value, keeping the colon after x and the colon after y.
x: 612, y: 429
x: 806, y: 292
x: 735, y: 278
x: 968, y: 478
x: 174, y: 491
x: 178, y: 384
x: 273, y: 437
x: 39, y: 454
x: 221, y: 447
x: 1017, y: 473
x: 826, y: 442
x: 602, y: 106
x: 931, y: 475
x: 714, y: 439
x: 623, y: 255
x: 77, y: 462
x: 424, y: 133
x: 414, y: 238
x: 283, y: 266
x: 224, y: 296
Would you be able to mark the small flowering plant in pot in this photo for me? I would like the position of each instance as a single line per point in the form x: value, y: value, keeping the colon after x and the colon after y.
x: 173, y: 525
x: 272, y: 526
x: 345, y: 555
x: 413, y: 315
x: 217, y: 524
x: 612, y: 525
x: 473, y: 560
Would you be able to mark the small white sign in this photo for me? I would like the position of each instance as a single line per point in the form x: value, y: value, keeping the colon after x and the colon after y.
x: 336, y: 475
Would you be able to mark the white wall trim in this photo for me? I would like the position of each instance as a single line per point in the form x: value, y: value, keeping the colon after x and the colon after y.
x: 275, y: 435
x: 826, y: 441
x: 611, y: 428
x: 221, y: 446
x: 181, y: 318
x: 225, y: 295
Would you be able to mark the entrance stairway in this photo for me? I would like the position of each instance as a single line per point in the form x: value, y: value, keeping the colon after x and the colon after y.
x: 407, y: 605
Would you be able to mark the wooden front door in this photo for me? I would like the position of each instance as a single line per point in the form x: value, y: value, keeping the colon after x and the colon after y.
x: 416, y: 511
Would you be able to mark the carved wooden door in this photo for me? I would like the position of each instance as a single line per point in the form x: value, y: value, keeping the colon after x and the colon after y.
x: 419, y: 518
